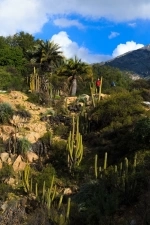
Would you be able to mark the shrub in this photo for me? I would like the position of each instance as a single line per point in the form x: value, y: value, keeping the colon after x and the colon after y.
x: 23, y: 113
x: 6, y: 172
x: 6, y: 113
x: 23, y: 146
x: 45, y: 175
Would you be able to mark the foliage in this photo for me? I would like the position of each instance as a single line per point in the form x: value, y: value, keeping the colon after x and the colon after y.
x: 23, y: 113
x: 45, y: 175
x: 110, y: 74
x: 6, y: 172
x: 61, y: 130
x: 12, y: 56
x: 33, y: 97
x: 10, y: 79
x: 82, y: 71
x: 6, y: 113
x: 96, y: 203
x: 23, y: 145
x: 59, y: 155
x: 141, y: 132
x: 4, y: 190
x: 121, y: 108
x: 47, y: 53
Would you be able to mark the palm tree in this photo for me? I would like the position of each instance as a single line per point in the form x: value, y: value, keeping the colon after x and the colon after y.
x: 48, y: 54
x: 75, y: 70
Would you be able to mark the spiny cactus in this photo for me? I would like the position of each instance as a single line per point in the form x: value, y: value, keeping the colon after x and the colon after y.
x: 74, y: 145
x: 26, y: 178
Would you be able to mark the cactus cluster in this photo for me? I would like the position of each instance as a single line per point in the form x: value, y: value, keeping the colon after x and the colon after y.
x: 122, y: 170
x: 47, y: 197
x: 34, y: 81
x: 74, y: 145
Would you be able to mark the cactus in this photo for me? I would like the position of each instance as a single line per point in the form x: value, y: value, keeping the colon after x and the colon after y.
x: 95, y: 164
x: 105, y: 161
x: 34, y: 81
x: 60, y: 201
x: 25, y: 178
x: 74, y: 145
x: 100, y: 90
x: 68, y: 208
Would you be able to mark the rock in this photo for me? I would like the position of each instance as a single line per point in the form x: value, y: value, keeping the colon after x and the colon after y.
x: 4, y: 156
x: 31, y: 156
x: 4, y: 206
x: 10, y: 181
x: 9, y: 161
x: 67, y: 191
x: 19, y: 164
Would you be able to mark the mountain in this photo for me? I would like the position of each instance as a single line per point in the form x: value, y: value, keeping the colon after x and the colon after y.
x: 136, y: 63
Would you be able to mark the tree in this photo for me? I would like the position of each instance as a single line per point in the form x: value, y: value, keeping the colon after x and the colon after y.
x: 110, y: 74
x: 24, y: 40
x: 48, y: 54
x: 75, y: 70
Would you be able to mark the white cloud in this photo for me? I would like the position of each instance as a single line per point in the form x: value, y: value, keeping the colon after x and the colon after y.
x: 31, y: 15
x: 63, y: 22
x: 72, y: 49
x: 124, y: 48
x: 113, y: 35
x: 132, y: 24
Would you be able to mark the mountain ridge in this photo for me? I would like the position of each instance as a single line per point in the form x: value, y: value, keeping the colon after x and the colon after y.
x: 136, y: 62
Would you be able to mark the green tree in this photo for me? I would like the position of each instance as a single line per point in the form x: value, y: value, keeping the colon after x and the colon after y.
x: 76, y: 70
x: 118, y: 110
x: 48, y: 54
x: 110, y: 74
x: 10, y: 79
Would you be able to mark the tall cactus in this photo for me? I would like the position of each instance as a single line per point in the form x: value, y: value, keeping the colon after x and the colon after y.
x: 26, y: 178
x: 100, y: 90
x: 74, y: 145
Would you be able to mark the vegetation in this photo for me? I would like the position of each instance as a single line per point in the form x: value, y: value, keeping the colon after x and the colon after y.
x: 6, y: 113
x: 93, y: 167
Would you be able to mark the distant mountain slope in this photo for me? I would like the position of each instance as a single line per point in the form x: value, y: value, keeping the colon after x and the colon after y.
x: 136, y: 62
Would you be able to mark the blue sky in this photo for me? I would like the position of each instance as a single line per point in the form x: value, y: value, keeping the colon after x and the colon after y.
x: 93, y: 30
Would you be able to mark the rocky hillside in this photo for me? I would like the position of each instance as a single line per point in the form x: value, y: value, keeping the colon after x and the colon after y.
x: 136, y: 62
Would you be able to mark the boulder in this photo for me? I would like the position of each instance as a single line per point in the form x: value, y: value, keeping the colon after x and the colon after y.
x: 31, y: 156
x: 4, y: 156
x: 19, y: 164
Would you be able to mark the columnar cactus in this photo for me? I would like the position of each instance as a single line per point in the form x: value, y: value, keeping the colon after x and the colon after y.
x: 74, y: 145
x: 34, y: 81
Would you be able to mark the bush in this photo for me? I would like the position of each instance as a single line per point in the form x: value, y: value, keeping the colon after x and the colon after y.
x: 23, y: 146
x: 59, y: 154
x: 45, y: 175
x: 6, y: 172
x: 6, y: 113
x: 23, y: 113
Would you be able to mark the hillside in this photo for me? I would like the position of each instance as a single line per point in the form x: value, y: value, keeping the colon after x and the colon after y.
x: 32, y: 129
x: 136, y: 62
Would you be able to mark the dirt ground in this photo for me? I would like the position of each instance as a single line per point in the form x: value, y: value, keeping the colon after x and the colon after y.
x: 32, y: 129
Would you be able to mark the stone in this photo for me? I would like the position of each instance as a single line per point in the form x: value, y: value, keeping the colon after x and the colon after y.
x: 17, y: 162
x: 9, y: 161
x: 67, y: 191
x: 10, y: 181
x: 4, y: 156
x: 31, y: 156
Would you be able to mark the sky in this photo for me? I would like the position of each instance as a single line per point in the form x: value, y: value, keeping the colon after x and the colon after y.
x: 93, y: 30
